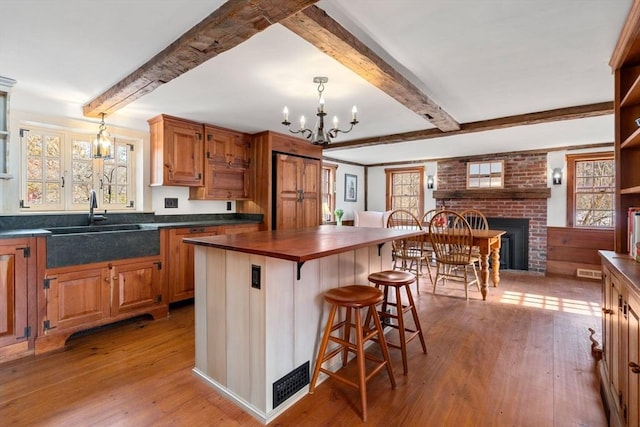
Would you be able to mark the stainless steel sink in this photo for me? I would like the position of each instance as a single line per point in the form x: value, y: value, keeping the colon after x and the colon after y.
x: 96, y: 243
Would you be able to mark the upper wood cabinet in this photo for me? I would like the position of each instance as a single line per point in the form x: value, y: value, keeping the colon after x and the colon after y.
x: 226, y: 171
x: 176, y: 151
x: 226, y: 147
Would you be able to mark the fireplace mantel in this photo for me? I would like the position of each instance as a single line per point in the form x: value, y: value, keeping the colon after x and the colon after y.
x: 494, y: 193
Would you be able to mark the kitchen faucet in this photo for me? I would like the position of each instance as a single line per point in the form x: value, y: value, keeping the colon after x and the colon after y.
x: 93, y: 204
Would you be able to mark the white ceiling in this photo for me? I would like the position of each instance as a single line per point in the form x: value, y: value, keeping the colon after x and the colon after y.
x: 478, y: 60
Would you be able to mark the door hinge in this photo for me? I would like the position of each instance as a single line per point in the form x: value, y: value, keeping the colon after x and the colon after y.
x: 46, y: 325
x: 26, y: 251
x: 158, y: 264
x: 22, y: 205
x: 159, y: 298
x: 27, y: 333
x: 46, y: 283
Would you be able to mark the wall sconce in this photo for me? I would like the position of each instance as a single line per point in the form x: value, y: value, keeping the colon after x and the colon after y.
x: 430, y: 182
x: 556, y: 176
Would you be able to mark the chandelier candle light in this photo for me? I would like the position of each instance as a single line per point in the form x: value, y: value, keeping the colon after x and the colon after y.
x: 319, y: 135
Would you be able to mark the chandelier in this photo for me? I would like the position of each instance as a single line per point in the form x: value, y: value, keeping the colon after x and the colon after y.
x: 319, y: 135
x: 102, y: 143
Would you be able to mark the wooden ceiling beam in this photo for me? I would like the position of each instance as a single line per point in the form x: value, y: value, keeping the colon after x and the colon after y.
x: 548, y: 116
x: 231, y: 24
x: 315, y: 26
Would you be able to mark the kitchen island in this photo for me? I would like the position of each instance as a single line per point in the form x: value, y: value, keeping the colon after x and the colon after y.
x: 259, y: 310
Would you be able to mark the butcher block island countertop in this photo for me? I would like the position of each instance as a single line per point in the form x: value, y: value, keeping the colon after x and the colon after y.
x: 303, y: 244
x: 259, y: 311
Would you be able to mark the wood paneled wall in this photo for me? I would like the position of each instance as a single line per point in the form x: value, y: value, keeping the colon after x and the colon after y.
x: 571, y: 248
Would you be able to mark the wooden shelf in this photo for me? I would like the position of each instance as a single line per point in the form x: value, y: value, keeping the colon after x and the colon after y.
x: 630, y: 190
x: 494, y: 193
x: 633, y: 94
x: 632, y: 140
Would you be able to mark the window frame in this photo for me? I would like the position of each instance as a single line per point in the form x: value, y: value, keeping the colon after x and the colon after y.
x: 330, y: 186
x: 390, y: 172
x: 491, y: 175
x: 572, y: 160
x: 67, y: 139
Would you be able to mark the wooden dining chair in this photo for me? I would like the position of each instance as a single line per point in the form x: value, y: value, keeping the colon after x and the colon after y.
x: 477, y: 221
x: 452, y: 245
x: 408, y: 254
x: 426, y: 245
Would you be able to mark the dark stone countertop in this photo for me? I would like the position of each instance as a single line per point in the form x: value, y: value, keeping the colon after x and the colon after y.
x: 38, y: 225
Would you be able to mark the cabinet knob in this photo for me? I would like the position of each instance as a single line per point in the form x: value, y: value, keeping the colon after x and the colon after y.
x: 635, y: 368
x: 607, y: 311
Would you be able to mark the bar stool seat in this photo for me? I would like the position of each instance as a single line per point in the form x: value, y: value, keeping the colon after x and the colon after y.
x: 398, y: 280
x: 353, y: 298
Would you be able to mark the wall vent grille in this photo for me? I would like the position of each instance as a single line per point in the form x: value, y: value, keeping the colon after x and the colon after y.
x: 589, y: 274
x: 290, y: 384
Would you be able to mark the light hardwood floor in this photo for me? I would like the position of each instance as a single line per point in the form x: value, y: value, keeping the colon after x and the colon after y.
x: 521, y: 358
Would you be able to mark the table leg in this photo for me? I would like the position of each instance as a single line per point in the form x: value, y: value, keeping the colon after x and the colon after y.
x: 495, y: 259
x: 484, y: 274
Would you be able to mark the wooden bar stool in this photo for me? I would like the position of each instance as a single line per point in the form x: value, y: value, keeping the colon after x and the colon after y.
x: 353, y: 298
x: 398, y: 280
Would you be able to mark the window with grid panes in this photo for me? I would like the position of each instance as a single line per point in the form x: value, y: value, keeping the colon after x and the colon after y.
x: 60, y: 172
x: 485, y: 174
x: 405, y: 189
x: 591, y: 190
x: 328, y: 192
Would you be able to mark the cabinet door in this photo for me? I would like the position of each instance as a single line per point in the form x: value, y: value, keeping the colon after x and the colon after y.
x: 632, y: 363
x: 181, y: 271
x: 224, y: 147
x: 224, y: 182
x: 297, y: 192
x: 76, y: 297
x: 136, y: 285
x: 616, y: 332
x: 183, y: 153
x: 13, y: 294
x: 311, y: 176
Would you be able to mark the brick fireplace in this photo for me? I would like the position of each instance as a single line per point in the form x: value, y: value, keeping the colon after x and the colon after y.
x: 524, y: 195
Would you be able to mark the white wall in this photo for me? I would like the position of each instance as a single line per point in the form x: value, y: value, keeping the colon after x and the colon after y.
x: 349, y: 207
x: 378, y: 185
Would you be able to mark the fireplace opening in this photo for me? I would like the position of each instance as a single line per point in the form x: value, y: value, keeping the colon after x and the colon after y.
x: 514, y: 246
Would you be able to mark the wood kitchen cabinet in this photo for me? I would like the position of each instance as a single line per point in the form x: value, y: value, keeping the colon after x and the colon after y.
x: 17, y: 277
x: 620, y: 364
x: 226, y: 147
x: 226, y: 171
x: 177, y: 148
x: 181, y: 274
x: 267, y: 200
x: 297, y: 191
x: 77, y: 298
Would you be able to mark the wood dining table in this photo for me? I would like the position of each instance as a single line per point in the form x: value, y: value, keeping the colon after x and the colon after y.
x: 489, y: 242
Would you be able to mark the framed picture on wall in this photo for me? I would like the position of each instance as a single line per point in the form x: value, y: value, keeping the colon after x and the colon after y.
x: 350, y: 188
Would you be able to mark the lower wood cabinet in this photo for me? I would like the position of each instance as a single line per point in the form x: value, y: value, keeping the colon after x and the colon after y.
x: 620, y: 365
x: 17, y: 278
x: 180, y: 259
x: 181, y: 274
x: 81, y: 297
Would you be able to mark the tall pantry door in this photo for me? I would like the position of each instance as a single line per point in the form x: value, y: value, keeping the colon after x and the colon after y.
x: 297, y: 192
